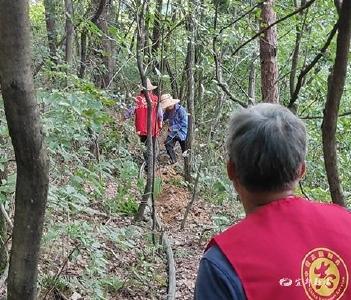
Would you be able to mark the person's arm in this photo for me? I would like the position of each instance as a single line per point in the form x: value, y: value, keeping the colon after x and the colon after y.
x: 160, y: 114
x: 182, y: 122
x: 216, y: 279
x: 129, y: 113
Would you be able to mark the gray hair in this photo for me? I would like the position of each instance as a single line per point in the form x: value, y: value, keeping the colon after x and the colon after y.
x: 267, y: 144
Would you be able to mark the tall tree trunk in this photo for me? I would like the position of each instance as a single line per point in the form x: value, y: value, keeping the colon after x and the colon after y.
x: 156, y: 31
x: 296, y: 53
x: 84, y: 38
x: 268, y: 54
x: 199, y: 49
x: 23, y: 119
x: 83, y: 53
x: 69, y: 33
x: 157, y: 60
x: 172, y: 78
x: 190, y: 93
x: 50, y: 15
x: 107, y: 46
x: 252, y: 83
x: 147, y: 47
x: 166, y: 42
x: 331, y: 110
x: 150, y: 155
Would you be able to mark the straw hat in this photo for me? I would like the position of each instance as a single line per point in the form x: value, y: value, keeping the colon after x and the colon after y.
x: 149, y: 85
x: 167, y: 101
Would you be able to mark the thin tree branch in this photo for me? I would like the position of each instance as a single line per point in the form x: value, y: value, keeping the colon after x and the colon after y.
x: 308, y: 4
x: 193, y: 198
x: 173, y: 28
x: 348, y: 113
x: 309, y: 67
x: 60, y: 271
x: 303, y: 191
x: 296, y: 51
x: 218, y: 68
x: 239, y: 18
x: 6, y: 216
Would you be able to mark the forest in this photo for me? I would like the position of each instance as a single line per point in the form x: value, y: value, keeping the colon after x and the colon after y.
x: 88, y: 211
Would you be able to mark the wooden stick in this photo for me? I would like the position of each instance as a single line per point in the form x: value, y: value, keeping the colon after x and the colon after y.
x: 171, y: 267
x: 7, y: 218
x: 190, y: 204
x: 60, y: 271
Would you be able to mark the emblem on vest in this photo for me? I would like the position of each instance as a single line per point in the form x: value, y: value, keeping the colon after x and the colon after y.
x: 325, y: 275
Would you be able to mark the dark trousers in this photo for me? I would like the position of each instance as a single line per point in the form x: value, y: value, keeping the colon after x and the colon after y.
x: 170, y: 143
x: 143, y: 139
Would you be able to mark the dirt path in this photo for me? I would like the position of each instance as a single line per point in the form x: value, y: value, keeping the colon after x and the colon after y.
x: 188, y: 244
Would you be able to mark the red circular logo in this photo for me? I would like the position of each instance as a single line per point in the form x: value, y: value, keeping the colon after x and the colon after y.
x: 324, y: 275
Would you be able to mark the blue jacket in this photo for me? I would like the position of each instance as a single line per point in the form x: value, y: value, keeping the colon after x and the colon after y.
x: 178, y: 122
x: 216, y: 279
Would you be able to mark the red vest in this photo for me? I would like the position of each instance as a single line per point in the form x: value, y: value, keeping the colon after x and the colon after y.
x: 141, y: 115
x: 291, y: 249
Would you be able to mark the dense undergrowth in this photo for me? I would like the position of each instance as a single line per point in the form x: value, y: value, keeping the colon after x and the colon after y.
x: 95, y: 188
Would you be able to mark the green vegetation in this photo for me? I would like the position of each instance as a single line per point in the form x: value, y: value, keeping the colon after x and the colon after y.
x: 95, y: 155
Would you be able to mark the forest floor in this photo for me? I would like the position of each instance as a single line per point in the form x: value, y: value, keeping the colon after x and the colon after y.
x: 126, y: 249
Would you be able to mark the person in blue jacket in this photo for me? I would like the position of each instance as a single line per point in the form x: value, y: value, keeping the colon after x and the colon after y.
x: 177, y: 117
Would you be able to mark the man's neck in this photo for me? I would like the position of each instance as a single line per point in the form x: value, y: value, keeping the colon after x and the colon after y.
x: 251, y: 201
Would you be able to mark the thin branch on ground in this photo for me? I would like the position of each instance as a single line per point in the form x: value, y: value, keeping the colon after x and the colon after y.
x: 58, y: 274
x: 171, y: 291
x: 6, y: 216
x: 193, y: 198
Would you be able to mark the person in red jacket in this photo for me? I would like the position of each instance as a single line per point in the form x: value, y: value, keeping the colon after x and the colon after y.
x: 287, y: 247
x: 140, y: 114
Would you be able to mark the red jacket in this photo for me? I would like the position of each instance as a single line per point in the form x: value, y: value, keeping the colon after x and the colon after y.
x: 141, y: 115
x: 291, y: 249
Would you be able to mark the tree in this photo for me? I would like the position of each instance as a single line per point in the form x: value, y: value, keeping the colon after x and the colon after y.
x: 335, y: 90
x: 150, y: 155
x: 190, y: 64
x: 268, y: 54
x: 84, y: 38
x: 106, y: 46
x: 156, y: 32
x: 50, y: 18
x: 23, y: 119
x: 296, y: 52
x: 69, y: 33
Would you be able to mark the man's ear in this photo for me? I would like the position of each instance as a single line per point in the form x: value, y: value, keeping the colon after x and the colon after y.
x: 231, y: 170
x: 302, y: 170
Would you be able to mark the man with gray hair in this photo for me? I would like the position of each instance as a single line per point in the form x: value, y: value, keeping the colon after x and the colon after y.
x: 287, y: 247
